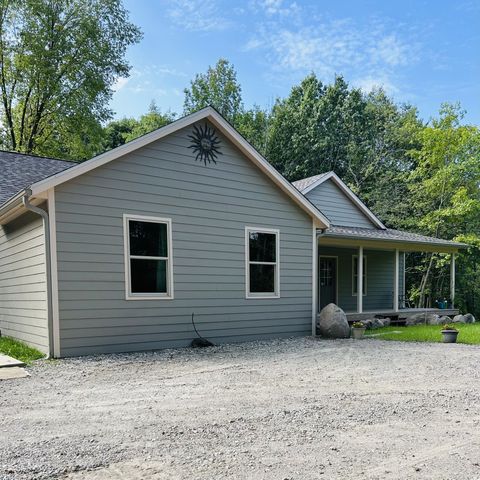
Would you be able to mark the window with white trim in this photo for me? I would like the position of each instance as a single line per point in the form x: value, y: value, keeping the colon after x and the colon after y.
x: 148, y: 257
x: 262, y: 262
x: 355, y: 275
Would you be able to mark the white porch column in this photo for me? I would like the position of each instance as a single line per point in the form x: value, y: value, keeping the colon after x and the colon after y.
x: 360, y: 280
x: 452, y: 279
x: 396, y: 280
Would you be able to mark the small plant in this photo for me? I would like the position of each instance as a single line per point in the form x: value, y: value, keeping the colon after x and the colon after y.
x: 449, y: 327
x: 358, y: 330
x: 449, y: 334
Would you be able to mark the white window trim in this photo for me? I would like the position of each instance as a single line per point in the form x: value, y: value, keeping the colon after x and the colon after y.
x: 126, y: 241
x: 364, y: 276
x: 275, y: 294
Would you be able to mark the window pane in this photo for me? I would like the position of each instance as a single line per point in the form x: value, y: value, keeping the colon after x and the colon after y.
x: 262, y: 247
x: 148, y: 239
x: 262, y: 278
x: 148, y: 276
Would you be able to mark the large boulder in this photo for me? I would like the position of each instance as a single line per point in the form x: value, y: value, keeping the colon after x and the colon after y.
x: 422, y: 319
x: 459, y: 319
x: 444, y: 320
x: 469, y: 318
x: 332, y: 322
x: 372, y: 323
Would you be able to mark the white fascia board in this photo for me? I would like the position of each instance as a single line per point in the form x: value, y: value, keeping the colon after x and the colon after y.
x: 345, y: 189
x: 207, y: 113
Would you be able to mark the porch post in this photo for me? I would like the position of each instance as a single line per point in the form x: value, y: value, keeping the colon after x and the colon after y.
x: 396, y: 280
x: 452, y: 279
x: 360, y: 280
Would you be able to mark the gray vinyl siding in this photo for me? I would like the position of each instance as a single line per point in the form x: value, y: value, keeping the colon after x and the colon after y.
x: 23, y: 297
x: 380, y: 273
x: 210, y: 206
x: 338, y: 208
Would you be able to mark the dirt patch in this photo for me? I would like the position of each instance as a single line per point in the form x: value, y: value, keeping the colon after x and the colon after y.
x: 292, y: 409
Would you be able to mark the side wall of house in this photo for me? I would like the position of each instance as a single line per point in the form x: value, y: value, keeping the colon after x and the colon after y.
x: 339, y: 209
x: 210, y: 206
x: 380, y: 273
x: 23, y: 297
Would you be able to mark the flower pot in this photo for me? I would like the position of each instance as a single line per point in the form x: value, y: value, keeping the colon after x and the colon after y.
x: 357, y: 333
x: 449, y: 336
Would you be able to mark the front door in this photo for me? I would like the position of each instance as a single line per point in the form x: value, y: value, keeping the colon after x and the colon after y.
x: 327, y: 276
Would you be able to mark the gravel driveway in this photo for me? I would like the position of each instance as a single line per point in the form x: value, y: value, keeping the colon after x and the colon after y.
x: 291, y: 409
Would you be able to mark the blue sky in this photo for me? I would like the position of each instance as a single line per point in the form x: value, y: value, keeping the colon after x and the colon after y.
x: 421, y: 52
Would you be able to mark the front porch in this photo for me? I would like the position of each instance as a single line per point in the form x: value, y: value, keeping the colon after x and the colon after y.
x: 347, y: 266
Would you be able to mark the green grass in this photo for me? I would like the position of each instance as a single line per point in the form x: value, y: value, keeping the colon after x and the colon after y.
x: 19, y: 350
x: 468, y: 333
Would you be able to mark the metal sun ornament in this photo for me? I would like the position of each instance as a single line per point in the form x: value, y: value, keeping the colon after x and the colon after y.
x: 205, y: 143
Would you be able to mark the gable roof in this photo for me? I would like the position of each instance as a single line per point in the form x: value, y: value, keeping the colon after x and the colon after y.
x: 38, y: 188
x: 18, y: 171
x: 307, y: 184
x: 304, y: 183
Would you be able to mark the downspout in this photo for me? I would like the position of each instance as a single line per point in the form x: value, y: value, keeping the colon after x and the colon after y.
x: 48, y: 269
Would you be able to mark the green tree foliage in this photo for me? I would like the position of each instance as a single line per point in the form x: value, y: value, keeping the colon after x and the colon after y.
x: 365, y: 139
x: 253, y: 125
x: 445, y: 199
x: 58, y: 62
x: 218, y: 88
x: 118, y: 132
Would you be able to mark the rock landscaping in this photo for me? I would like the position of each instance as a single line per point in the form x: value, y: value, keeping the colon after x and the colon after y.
x: 332, y: 322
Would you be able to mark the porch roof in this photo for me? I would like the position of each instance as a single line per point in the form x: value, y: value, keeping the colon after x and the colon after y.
x: 396, y: 237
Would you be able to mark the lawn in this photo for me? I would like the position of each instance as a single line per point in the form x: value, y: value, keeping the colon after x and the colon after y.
x: 19, y: 350
x: 469, y: 333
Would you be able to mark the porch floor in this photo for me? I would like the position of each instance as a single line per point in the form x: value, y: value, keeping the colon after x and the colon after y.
x: 400, y: 314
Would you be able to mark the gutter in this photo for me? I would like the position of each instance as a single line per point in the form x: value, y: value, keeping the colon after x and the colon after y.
x: 48, y: 270
x: 11, y: 203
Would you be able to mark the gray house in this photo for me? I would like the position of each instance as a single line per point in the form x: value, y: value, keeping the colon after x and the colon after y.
x: 115, y: 254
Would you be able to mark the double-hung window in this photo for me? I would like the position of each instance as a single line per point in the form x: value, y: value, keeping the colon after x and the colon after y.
x: 262, y: 263
x: 355, y: 275
x: 148, y: 257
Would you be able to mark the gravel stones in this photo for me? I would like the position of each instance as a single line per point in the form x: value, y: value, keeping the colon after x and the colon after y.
x: 262, y: 410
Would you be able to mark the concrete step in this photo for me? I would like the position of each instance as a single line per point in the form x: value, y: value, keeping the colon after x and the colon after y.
x: 12, y: 373
x: 6, y: 361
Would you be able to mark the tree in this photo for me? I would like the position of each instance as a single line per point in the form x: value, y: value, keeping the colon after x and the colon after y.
x: 149, y: 122
x: 58, y: 62
x: 118, y: 132
x: 253, y: 125
x: 219, y: 88
x: 444, y: 194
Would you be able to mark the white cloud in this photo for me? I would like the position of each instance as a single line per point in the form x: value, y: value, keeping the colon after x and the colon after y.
x: 276, y: 7
x: 369, y: 83
x: 120, y: 83
x: 391, y: 51
x: 372, y: 52
x: 197, y: 15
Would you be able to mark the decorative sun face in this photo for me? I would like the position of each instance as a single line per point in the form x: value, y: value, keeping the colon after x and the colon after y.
x: 205, y: 144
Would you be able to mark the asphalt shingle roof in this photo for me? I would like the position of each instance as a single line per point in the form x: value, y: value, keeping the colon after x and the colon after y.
x: 304, y: 183
x: 387, y: 234
x: 19, y: 171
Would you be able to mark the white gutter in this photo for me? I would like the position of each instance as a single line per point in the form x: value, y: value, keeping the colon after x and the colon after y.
x: 48, y: 265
